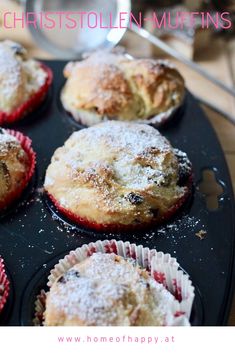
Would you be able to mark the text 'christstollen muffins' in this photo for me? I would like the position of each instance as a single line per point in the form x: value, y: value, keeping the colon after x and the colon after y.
x: 118, y: 175
x: 24, y: 82
x: 111, y: 86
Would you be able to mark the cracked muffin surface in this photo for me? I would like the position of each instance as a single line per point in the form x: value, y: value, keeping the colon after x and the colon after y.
x: 118, y: 174
x: 111, y: 86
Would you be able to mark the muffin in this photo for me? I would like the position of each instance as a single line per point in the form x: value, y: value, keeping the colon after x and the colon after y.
x: 111, y: 86
x: 115, y: 283
x: 17, y: 163
x: 118, y: 176
x: 108, y: 290
x: 23, y: 82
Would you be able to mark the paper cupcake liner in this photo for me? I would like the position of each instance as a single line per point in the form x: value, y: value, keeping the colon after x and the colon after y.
x: 26, y: 143
x: 31, y: 104
x: 162, y: 267
x: 39, y: 308
x: 4, y: 285
x: 82, y: 221
x: 91, y: 119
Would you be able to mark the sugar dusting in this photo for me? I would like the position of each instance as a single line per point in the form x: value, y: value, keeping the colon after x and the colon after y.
x: 109, y: 292
x: 111, y: 160
x: 20, y: 78
x: 6, y: 140
x: 11, y: 69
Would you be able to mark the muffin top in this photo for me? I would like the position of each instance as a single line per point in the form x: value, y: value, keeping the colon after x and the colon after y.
x: 107, y: 290
x: 20, y: 77
x: 14, y: 165
x: 118, y: 172
x: 111, y: 85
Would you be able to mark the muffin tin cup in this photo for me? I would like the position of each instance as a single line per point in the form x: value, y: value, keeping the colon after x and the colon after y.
x: 31, y: 104
x: 26, y: 145
x: 4, y: 285
x: 162, y: 267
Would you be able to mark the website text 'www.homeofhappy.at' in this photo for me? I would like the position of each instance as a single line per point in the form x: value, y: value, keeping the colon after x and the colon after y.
x: 143, y: 340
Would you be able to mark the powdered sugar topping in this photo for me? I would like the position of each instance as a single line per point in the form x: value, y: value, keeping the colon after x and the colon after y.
x: 9, y: 68
x: 135, y: 153
x: 5, y: 140
x: 109, y: 291
x: 20, y: 78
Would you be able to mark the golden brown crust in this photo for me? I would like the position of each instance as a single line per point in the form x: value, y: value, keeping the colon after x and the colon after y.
x: 14, y: 165
x: 111, y: 86
x: 116, y: 173
x: 106, y: 91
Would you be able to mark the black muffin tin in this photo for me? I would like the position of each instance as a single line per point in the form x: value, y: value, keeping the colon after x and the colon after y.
x: 34, y: 236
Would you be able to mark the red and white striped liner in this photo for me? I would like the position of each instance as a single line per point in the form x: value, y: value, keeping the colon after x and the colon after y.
x: 162, y: 267
x: 4, y: 285
x: 122, y: 227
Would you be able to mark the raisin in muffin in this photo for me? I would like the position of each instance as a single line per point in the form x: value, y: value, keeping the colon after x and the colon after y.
x: 111, y: 86
x: 23, y: 82
x: 107, y: 290
x: 16, y: 167
x: 118, y: 175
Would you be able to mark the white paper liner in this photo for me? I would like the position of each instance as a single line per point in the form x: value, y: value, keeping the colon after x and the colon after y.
x: 87, y: 118
x: 163, y: 268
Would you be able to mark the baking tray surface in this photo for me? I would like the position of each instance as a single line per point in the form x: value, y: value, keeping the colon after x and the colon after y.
x: 33, y: 236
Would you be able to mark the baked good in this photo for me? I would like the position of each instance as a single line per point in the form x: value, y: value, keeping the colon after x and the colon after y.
x: 118, y: 175
x: 107, y: 290
x: 23, y: 82
x: 111, y: 86
x: 17, y: 162
x: 115, y: 283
